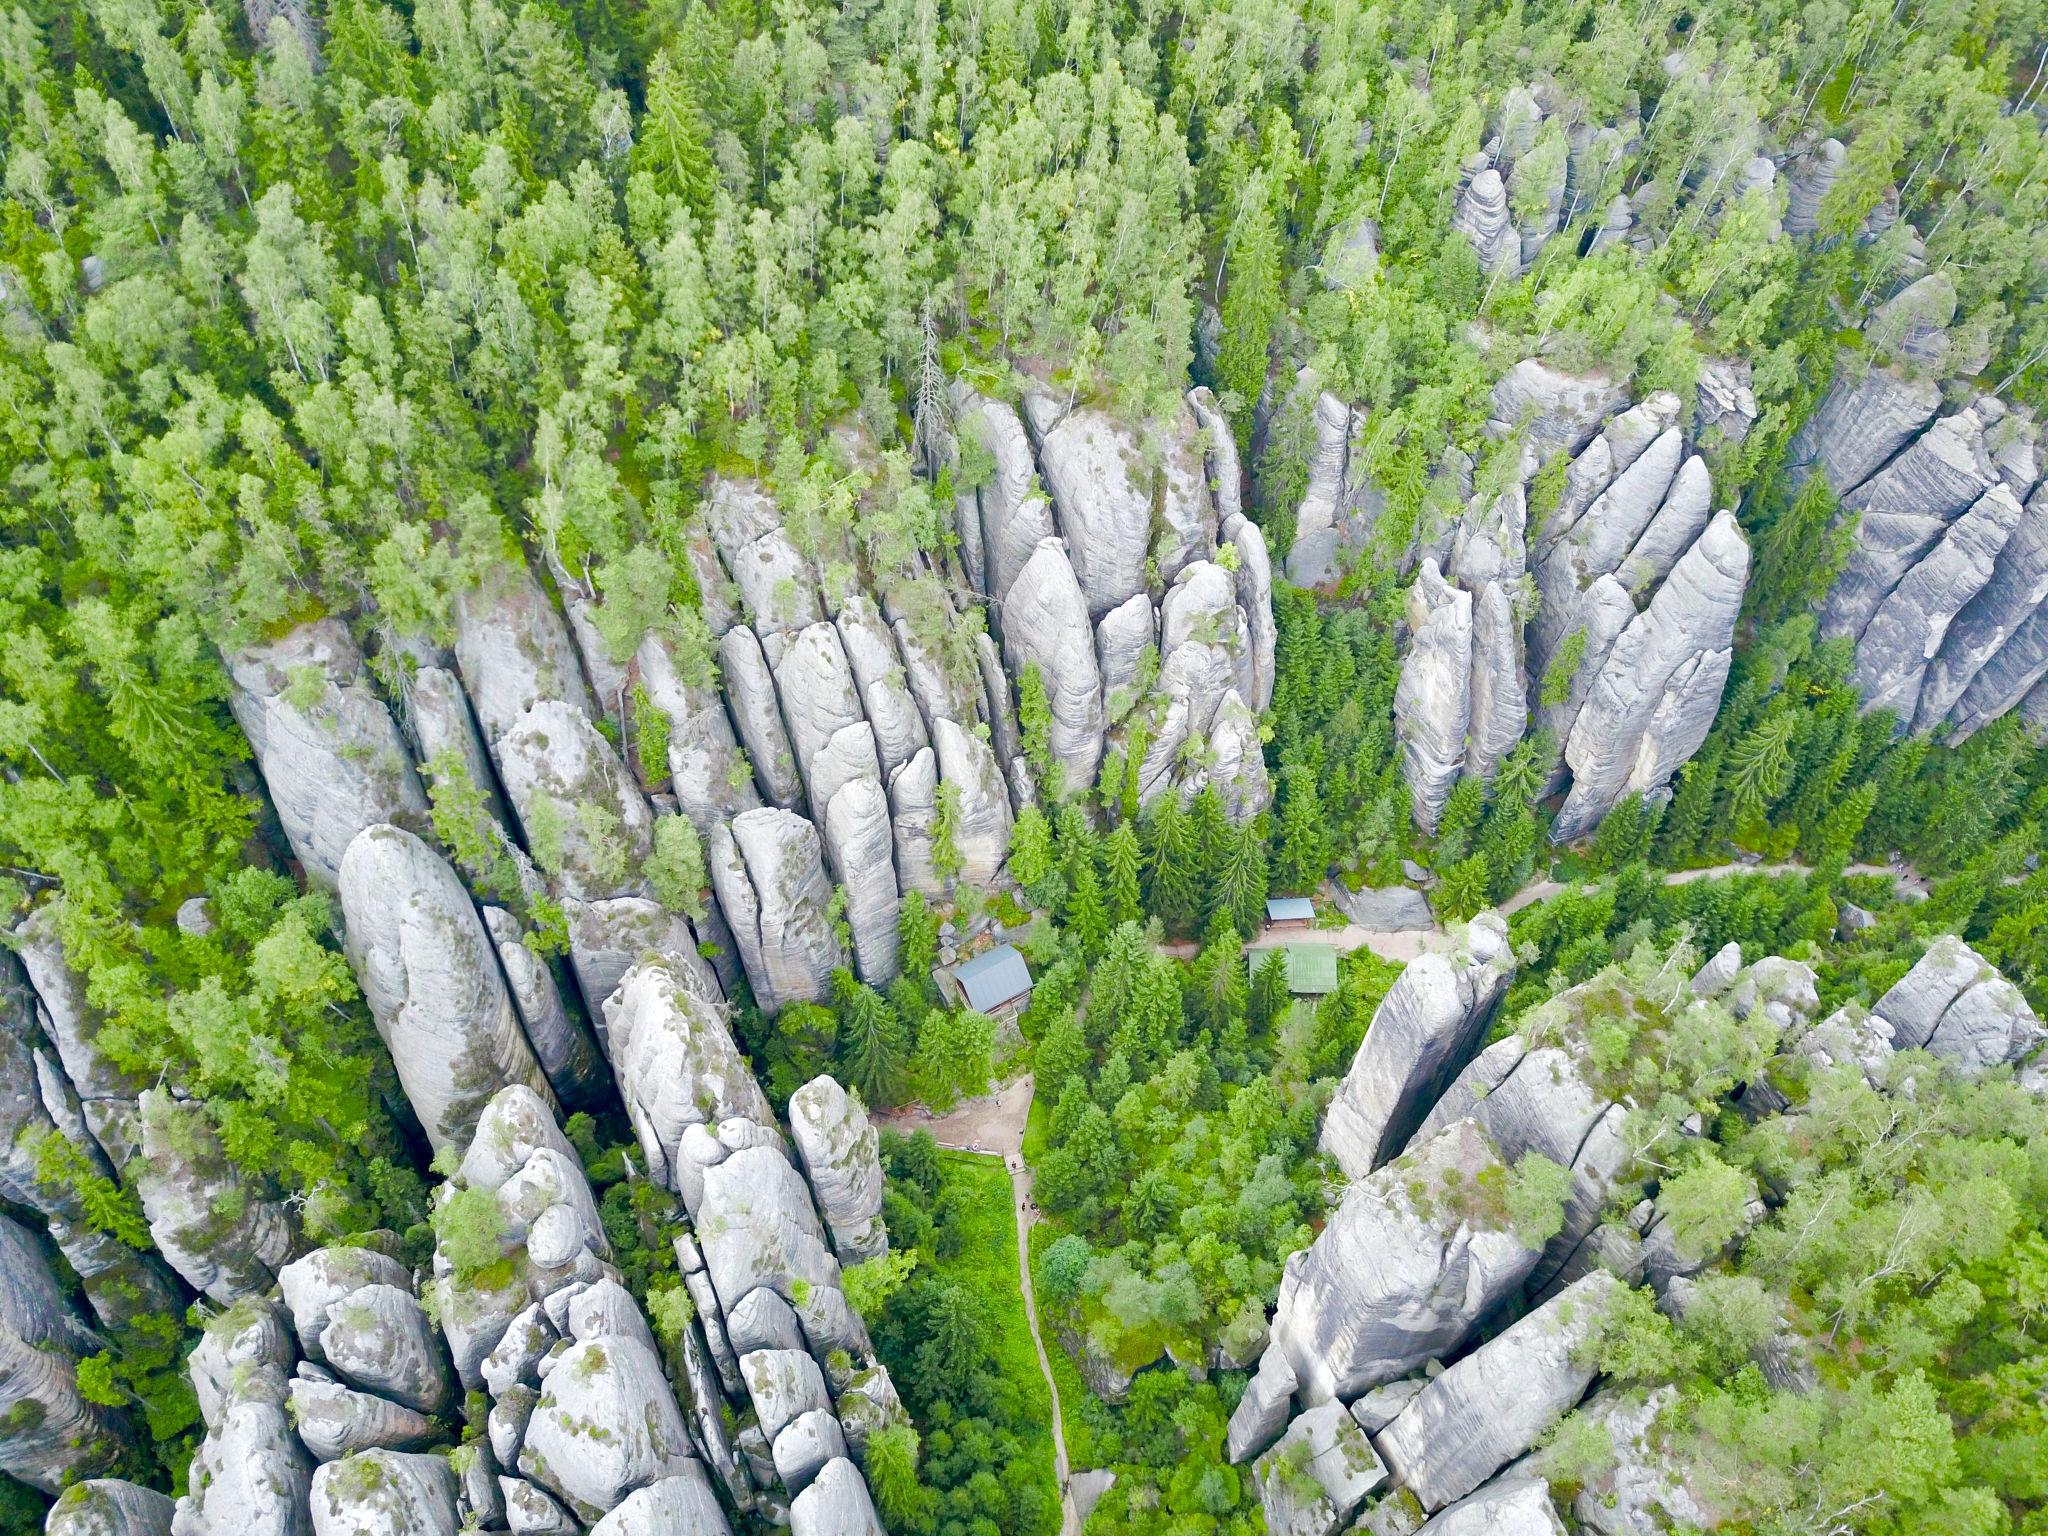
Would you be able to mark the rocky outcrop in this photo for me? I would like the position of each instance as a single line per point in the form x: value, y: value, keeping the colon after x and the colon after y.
x: 1655, y: 698
x: 677, y: 1066
x: 835, y: 1504
x: 704, y: 767
x: 1494, y: 1404
x: 1433, y: 700
x: 1314, y: 1479
x: 605, y: 1424
x: 1321, y: 524
x: 1007, y: 510
x: 1954, y: 1004
x: 767, y: 866
x: 105, y: 1094
x: 839, y: 1151
x: 430, y: 975
x: 1808, y: 182
x: 1405, y: 1270
x: 1557, y: 412
x: 684, y: 1503
x: 1514, y: 1505
x: 750, y: 694
x: 328, y: 749
x: 1046, y: 625
x: 1104, y: 511
x: 560, y: 1042
x: 51, y: 1434
x: 513, y: 651
x: 205, y: 1216
x: 385, y: 1493
x: 37, y: 1102
x: 109, y: 1506
x: 1422, y: 1034
x: 250, y: 1475
x: 1996, y: 647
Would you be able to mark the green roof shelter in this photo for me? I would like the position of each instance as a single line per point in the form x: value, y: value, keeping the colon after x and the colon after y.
x: 1311, y: 968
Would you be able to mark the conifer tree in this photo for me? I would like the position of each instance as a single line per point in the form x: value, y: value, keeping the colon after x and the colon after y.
x: 1174, y: 890
x: 874, y: 1045
x: 1122, y: 865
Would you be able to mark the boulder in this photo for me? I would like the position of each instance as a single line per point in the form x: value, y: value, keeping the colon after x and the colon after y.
x: 763, y: 1320
x: 1408, y: 1265
x: 531, y: 1512
x: 513, y: 651
x: 606, y: 1424
x: 1433, y: 700
x: 314, y: 1285
x: 1860, y: 424
x: 767, y: 866
x: 1643, y: 1494
x: 207, y: 1220
x: 1313, y: 1480
x: 243, y: 1352
x: 1255, y: 596
x: 608, y: 938
x: 1559, y: 411
x: 1045, y: 623
x: 335, y: 1421
x: 378, y: 1338
x: 750, y: 695
x: 1262, y: 1413
x: 1954, y: 1004
x: 51, y: 1434
x: 808, y: 1442
x: 677, y: 1066
x: 1388, y: 909
x: 329, y: 751
x: 1122, y: 637
x: 1422, y: 1034
x: 109, y: 1506
x: 1494, y: 1404
x: 913, y: 817
x: 1481, y: 216
x: 814, y: 682
x: 1236, y: 761
x: 835, y: 1504
x: 1089, y: 461
x: 682, y: 1505
x: 250, y: 1476
x: 385, y: 1493
x: 1517, y: 1504
x: 785, y: 1384
x: 430, y: 975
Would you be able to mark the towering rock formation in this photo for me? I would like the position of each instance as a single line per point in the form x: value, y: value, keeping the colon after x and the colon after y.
x: 430, y: 974
x: 839, y: 1152
x: 328, y: 749
x: 1421, y: 1036
x: 51, y: 1434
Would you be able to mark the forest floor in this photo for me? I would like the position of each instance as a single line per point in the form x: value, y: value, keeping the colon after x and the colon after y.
x: 993, y: 1124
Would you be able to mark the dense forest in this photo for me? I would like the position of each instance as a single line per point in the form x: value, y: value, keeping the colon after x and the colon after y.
x: 331, y: 314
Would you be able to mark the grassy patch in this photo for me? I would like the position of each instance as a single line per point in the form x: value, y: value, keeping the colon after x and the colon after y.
x: 987, y: 1263
x: 1037, y: 1129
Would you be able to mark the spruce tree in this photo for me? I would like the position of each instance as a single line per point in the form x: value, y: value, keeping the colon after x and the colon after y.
x: 1122, y: 865
x: 671, y: 145
x: 1176, y: 870
x: 874, y: 1045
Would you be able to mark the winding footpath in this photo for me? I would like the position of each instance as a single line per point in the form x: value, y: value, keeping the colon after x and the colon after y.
x: 994, y: 1124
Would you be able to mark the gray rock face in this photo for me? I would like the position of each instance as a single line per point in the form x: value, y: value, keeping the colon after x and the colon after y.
x: 884, y: 693
x: 836, y: 1504
x: 683, y: 1505
x: 805, y: 1446
x: 706, y: 771
x: 819, y: 698
x: 1393, y: 1280
x: 1560, y: 411
x: 1643, y: 1494
x: 1493, y: 1405
x: 1045, y: 623
x: 329, y: 750
x: 1481, y: 216
x: 1808, y: 182
x: 767, y: 866
x: 1954, y: 1004
x: 1515, y: 1505
x: 211, y: 1226
x: 430, y: 975
x: 1499, y: 699
x: 606, y: 1424
x: 1255, y: 595
x: 785, y: 1384
x: 1262, y: 1413
x: 314, y: 1285
x: 913, y: 814
x: 840, y: 1154
x: 1860, y: 424
x: 1122, y: 637
x: 250, y: 1473
x: 379, y: 1338
x: 1655, y: 698
x: 776, y: 583
x: 105, y: 1094
x: 560, y: 1043
x: 758, y: 1229
x: 443, y: 726
x: 1892, y: 653
x: 385, y: 1493
x: 1091, y: 467
x: 1422, y: 1034
x: 109, y: 1506
x: 1992, y: 652
x: 750, y: 694
x: 35, y: 1102
x: 586, y: 820
x: 1012, y: 514
x: 982, y: 820
x: 1311, y: 560
x: 52, y: 1435
x: 860, y: 845
x: 609, y: 938
x: 1388, y: 909
x: 677, y: 1066
x: 1313, y: 1480
x: 334, y: 1421
x: 514, y: 651
x: 1433, y: 700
